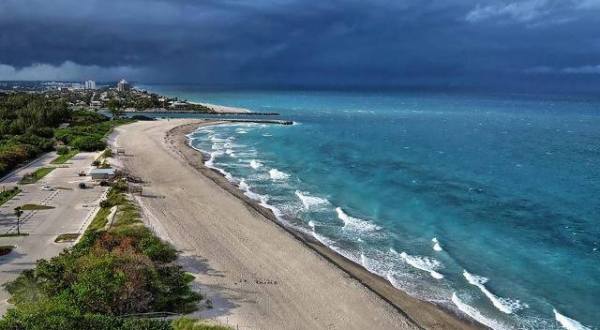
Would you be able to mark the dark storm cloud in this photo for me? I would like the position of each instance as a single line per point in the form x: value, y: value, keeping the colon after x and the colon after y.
x: 380, y: 42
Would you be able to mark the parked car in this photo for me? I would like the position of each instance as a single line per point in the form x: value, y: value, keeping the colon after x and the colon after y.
x: 47, y: 187
x: 82, y: 185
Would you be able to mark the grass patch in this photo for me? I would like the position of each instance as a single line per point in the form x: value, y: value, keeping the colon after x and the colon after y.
x: 185, y: 323
x: 61, y: 159
x: 35, y: 207
x: 99, y: 220
x: 36, y: 176
x: 13, y: 234
x: 6, y: 249
x: 65, y: 238
x: 7, y: 195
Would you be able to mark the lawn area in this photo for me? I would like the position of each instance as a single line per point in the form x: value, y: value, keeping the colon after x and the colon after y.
x: 61, y: 159
x: 36, y: 176
x: 35, y: 207
x: 7, y: 195
x: 100, y: 219
x: 65, y: 238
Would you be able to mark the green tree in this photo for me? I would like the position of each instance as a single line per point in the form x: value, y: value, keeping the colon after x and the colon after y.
x: 18, y: 214
x: 114, y: 106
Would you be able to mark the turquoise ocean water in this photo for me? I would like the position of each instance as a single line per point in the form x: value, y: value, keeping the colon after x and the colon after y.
x: 486, y: 204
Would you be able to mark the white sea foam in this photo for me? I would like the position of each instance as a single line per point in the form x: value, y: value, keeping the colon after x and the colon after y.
x: 569, y: 323
x: 476, y: 314
x: 278, y: 175
x: 277, y: 212
x: 230, y: 152
x: 504, y: 305
x: 250, y: 194
x: 241, y: 131
x: 211, y: 159
x: 436, y: 244
x: 373, y: 265
x: 355, y: 223
x: 243, y: 185
x: 310, y: 201
x: 255, y: 164
x: 311, y: 224
x: 426, y: 264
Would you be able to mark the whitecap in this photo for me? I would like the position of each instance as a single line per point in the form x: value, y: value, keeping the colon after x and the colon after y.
x: 436, y: 245
x: 505, y: 305
x: 310, y: 201
x: 476, y: 314
x: 255, y: 164
x: 211, y: 159
x: 568, y: 323
x: 278, y: 175
x: 374, y: 266
x: 355, y: 223
x: 243, y: 185
x: 311, y: 224
x: 277, y: 212
x: 426, y: 264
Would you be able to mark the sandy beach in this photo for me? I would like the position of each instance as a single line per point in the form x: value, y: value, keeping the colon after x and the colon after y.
x: 256, y: 273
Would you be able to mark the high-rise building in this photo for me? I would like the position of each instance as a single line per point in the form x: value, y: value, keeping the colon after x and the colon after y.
x: 90, y: 84
x: 122, y: 85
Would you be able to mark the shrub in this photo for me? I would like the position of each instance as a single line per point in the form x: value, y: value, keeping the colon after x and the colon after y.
x: 88, y: 143
x: 185, y: 323
x: 62, y: 150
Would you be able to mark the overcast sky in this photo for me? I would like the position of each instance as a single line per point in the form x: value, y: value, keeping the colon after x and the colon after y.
x: 307, y: 43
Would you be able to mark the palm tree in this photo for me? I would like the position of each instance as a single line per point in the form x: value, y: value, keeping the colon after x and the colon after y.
x: 18, y: 213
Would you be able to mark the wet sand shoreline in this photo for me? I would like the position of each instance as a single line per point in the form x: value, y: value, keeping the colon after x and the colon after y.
x: 422, y: 314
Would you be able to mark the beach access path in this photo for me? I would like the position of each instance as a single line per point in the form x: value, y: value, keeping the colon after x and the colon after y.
x: 256, y: 274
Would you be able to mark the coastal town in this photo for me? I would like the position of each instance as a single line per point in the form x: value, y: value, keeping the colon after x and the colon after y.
x: 120, y: 95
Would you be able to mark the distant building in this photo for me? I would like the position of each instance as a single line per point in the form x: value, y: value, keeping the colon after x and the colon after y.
x: 123, y: 85
x: 90, y: 84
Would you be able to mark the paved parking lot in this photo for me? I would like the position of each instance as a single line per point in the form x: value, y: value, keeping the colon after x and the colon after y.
x: 73, y: 209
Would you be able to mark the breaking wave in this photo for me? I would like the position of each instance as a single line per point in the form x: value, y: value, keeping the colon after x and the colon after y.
x: 255, y: 164
x: 353, y: 223
x: 436, y: 245
x: 310, y: 201
x: 476, y: 314
x: 568, y: 323
x: 276, y: 174
x: 426, y: 264
x: 505, y: 305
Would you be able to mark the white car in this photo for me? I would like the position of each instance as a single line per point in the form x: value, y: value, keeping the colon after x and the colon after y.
x: 47, y: 188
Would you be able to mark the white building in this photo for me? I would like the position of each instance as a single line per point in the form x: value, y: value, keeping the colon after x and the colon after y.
x: 90, y: 84
x: 123, y: 85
